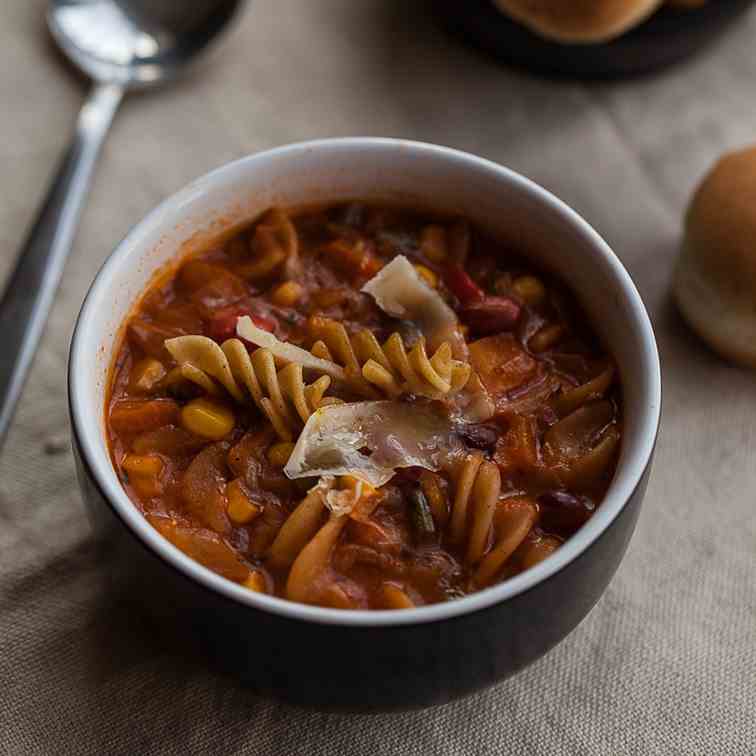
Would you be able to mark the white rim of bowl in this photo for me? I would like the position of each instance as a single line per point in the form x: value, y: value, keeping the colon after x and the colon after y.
x: 88, y: 431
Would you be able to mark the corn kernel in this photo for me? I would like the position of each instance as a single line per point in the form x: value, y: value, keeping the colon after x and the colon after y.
x: 241, y: 510
x: 207, y: 419
x: 427, y: 275
x: 147, y: 373
x: 148, y: 465
x: 529, y: 289
x: 279, y: 453
x: 546, y: 338
x: 433, y: 243
x: 256, y: 582
x: 287, y: 294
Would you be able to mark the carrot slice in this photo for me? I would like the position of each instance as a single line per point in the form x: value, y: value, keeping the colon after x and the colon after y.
x: 136, y: 416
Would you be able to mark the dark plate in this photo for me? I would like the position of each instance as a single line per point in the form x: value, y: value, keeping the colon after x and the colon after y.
x: 667, y: 37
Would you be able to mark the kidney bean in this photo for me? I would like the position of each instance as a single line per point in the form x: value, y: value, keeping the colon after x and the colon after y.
x: 563, y: 512
x: 479, y: 436
x: 461, y: 285
x: 491, y: 315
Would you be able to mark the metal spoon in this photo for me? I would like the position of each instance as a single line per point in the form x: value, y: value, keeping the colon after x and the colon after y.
x: 121, y: 45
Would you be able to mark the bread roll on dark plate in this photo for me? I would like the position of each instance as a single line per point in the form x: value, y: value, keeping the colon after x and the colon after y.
x: 715, y: 278
x: 668, y: 36
x: 579, y: 21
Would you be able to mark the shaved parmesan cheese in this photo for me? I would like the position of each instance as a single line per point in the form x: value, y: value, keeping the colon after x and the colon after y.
x: 371, y: 440
x: 400, y: 292
x: 248, y: 331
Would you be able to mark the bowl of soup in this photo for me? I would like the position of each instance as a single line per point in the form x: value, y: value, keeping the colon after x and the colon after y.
x: 370, y: 420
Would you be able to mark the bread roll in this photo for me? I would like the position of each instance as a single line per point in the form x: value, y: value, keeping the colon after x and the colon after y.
x: 579, y: 21
x: 715, y: 278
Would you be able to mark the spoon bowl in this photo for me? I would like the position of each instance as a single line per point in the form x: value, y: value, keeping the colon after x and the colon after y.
x: 136, y: 43
x: 121, y: 45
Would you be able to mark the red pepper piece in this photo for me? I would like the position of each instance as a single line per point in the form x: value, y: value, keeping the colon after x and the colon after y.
x: 222, y: 326
x: 461, y: 285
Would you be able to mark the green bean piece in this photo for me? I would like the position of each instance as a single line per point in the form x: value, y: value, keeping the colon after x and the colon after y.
x: 422, y: 517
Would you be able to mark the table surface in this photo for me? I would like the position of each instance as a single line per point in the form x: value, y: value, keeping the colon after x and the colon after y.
x: 665, y: 663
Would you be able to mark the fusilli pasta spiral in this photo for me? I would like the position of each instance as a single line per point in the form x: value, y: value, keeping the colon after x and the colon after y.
x: 478, y: 485
x: 476, y: 502
x: 390, y: 367
x: 282, y: 395
x: 307, y: 538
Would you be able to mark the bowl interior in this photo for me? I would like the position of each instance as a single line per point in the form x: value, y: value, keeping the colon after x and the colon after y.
x: 513, y: 208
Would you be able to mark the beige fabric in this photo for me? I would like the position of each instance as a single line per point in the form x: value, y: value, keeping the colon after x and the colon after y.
x: 665, y: 664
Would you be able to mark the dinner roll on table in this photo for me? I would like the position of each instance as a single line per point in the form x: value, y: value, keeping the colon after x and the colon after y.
x: 715, y: 279
x: 579, y: 21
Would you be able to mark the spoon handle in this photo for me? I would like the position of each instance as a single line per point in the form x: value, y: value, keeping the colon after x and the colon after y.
x: 31, y: 287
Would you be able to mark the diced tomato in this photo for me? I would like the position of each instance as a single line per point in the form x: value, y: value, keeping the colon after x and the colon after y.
x: 222, y: 326
x: 461, y: 285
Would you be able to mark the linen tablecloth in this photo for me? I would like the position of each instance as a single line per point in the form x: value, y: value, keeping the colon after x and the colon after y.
x: 665, y: 663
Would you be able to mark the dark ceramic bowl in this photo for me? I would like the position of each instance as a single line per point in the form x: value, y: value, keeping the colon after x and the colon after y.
x: 667, y: 37
x: 360, y: 660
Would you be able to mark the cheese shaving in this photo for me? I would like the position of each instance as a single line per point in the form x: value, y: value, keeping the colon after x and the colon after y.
x: 371, y: 440
x: 400, y: 292
x: 248, y: 331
